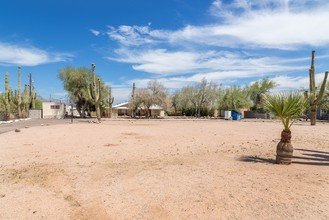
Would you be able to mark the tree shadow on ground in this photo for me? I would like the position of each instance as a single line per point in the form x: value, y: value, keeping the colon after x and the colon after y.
x: 309, y: 157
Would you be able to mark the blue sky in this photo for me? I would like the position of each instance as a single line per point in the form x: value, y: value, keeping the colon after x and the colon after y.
x: 177, y: 42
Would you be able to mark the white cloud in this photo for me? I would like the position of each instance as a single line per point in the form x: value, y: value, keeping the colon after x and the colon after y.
x: 131, y: 35
x: 279, y: 24
x: 296, y: 82
x: 260, y: 24
x: 246, y: 25
x: 279, y: 30
x: 11, y: 54
x: 95, y: 32
x: 163, y: 62
x: 234, y: 47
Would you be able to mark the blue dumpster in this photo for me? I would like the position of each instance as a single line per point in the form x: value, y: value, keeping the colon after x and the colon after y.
x: 236, y: 115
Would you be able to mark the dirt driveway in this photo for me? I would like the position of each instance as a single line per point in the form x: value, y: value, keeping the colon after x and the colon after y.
x: 162, y: 169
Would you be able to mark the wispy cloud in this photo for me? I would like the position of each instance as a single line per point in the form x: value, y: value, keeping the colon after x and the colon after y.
x: 295, y: 82
x: 247, y: 25
x: 11, y: 54
x: 95, y: 32
x: 270, y: 24
x: 131, y: 35
x: 242, y: 23
x: 163, y: 62
x: 279, y: 24
x: 247, y: 40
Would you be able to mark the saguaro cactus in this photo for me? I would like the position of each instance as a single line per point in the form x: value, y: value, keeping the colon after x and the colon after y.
x: 7, y: 100
x: 133, y: 93
x: 19, y: 95
x: 32, y: 93
x: 315, y: 98
x: 26, y: 101
x: 32, y: 98
x: 96, y: 92
x: 111, y: 99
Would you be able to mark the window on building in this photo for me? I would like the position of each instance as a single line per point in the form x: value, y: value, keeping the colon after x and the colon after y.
x: 54, y: 107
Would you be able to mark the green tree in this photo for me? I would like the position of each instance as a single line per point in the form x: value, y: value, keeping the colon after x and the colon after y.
x: 175, y: 102
x: 287, y: 107
x: 77, y: 82
x: 180, y: 102
x: 159, y: 94
x: 38, y: 104
x: 257, y: 89
x: 183, y: 102
x: 204, y: 96
x: 198, y: 100
x: 234, y: 98
x: 144, y: 98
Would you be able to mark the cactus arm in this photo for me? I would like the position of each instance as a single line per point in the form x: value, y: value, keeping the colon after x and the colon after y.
x: 111, y: 99
x: 315, y: 98
x: 91, y: 92
x: 99, y: 90
x: 323, y: 87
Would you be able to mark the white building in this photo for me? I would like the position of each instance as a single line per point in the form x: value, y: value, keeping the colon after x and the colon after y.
x: 53, y: 110
x: 124, y: 110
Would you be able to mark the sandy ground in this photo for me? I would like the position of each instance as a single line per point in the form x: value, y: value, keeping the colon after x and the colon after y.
x: 163, y: 169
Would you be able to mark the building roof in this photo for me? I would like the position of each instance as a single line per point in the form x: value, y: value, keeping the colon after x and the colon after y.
x: 123, y: 105
x: 156, y: 107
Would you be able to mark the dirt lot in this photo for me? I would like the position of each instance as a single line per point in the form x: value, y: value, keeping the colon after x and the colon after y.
x: 163, y: 169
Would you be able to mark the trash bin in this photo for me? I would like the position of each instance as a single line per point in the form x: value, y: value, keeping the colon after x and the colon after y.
x: 236, y: 115
x: 228, y: 115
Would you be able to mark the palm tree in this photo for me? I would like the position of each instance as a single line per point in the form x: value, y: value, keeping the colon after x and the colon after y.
x: 287, y: 106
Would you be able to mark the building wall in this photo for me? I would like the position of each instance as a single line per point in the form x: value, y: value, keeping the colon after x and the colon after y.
x: 157, y: 113
x: 53, y: 110
x: 254, y: 114
x: 35, y: 113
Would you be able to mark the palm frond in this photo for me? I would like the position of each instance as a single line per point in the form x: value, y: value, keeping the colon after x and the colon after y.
x: 286, y: 105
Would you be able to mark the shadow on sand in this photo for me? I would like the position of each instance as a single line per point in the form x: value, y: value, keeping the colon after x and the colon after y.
x: 309, y: 157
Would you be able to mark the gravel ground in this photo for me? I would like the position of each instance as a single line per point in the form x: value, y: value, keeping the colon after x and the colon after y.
x: 31, y: 123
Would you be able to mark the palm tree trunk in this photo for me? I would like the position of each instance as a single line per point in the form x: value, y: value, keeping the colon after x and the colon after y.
x: 284, y: 149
